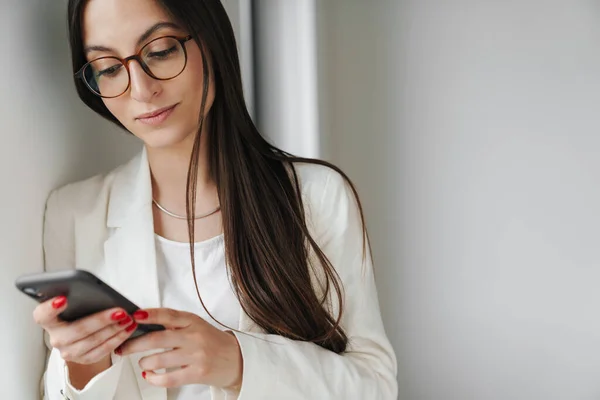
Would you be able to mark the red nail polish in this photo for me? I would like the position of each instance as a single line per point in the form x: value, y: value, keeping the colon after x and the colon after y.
x: 139, y: 314
x: 118, y: 351
x: 144, y: 374
x: 59, y: 302
x: 118, y: 315
x: 125, y: 322
x: 131, y: 328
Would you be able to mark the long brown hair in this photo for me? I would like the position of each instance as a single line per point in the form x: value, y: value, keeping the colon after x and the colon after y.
x: 267, y: 241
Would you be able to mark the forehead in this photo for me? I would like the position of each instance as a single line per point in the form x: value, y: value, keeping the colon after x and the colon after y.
x: 119, y: 23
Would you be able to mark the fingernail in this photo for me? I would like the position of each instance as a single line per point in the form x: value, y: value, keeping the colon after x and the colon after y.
x: 59, y: 302
x: 118, y: 351
x: 118, y: 315
x: 139, y: 314
x: 131, y: 327
x: 125, y: 321
x: 144, y: 374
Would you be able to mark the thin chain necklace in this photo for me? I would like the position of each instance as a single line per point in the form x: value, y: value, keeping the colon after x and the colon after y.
x: 169, y: 213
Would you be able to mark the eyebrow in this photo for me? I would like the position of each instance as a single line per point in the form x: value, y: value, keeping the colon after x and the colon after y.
x: 145, y: 36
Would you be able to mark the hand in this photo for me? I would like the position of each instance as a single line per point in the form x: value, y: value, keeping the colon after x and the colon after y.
x: 88, y: 340
x: 205, y: 354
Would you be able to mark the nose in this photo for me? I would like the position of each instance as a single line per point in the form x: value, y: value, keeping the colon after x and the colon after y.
x: 143, y: 86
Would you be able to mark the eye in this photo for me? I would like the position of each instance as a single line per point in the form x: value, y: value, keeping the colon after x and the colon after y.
x: 111, y: 71
x: 163, y: 54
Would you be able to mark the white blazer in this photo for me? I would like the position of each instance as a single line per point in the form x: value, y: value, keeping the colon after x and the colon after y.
x: 105, y: 225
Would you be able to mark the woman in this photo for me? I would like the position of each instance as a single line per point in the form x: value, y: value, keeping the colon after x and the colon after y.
x: 256, y: 262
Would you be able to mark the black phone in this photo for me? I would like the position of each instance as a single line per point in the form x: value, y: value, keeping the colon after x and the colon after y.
x: 86, y: 295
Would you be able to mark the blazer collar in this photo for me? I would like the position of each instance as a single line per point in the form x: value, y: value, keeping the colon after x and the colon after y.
x: 131, y: 190
x: 129, y: 250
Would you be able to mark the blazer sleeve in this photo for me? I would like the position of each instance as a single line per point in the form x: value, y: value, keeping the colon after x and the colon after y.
x: 277, y: 367
x: 59, y: 253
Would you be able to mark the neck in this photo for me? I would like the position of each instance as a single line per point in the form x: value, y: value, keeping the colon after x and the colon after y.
x: 169, y: 168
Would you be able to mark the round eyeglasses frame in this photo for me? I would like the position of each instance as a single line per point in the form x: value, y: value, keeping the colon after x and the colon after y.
x: 138, y: 57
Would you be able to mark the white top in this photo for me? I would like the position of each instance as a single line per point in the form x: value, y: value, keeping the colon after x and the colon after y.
x: 177, y: 291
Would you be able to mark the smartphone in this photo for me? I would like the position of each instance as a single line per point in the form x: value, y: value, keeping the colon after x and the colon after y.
x: 86, y: 295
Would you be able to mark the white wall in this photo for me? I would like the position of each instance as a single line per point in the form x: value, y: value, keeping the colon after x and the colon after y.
x: 471, y: 130
x: 48, y: 138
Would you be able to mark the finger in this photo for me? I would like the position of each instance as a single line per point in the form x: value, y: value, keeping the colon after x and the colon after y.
x: 167, y: 359
x: 81, y: 347
x: 167, y: 339
x: 46, y: 313
x: 75, y: 331
x: 176, y: 378
x: 166, y: 317
x: 109, y: 345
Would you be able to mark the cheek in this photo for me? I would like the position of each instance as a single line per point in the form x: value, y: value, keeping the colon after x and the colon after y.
x: 192, y: 88
x: 192, y: 84
x: 193, y: 75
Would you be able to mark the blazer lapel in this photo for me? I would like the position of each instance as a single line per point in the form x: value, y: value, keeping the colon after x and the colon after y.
x: 129, y: 251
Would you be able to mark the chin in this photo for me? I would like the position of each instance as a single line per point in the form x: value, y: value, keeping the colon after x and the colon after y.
x: 165, y: 138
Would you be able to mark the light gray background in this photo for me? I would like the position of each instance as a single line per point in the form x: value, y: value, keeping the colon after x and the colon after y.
x: 472, y: 131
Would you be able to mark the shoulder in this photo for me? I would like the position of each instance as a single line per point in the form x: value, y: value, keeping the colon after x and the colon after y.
x: 77, y: 195
x: 326, y: 195
x: 317, y: 180
x: 81, y: 197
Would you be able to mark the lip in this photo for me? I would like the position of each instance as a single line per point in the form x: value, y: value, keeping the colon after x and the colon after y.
x: 157, y: 116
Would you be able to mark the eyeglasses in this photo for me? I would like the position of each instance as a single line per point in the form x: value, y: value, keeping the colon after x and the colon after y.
x: 163, y: 58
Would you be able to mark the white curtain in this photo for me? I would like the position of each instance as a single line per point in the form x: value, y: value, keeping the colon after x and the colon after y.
x: 240, y: 14
x: 285, y: 62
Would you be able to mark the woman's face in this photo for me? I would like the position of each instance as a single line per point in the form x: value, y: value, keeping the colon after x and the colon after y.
x: 115, y: 28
